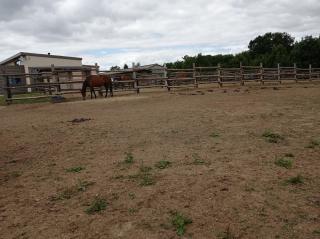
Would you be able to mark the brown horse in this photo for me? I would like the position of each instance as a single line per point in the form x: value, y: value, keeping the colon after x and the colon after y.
x: 96, y: 81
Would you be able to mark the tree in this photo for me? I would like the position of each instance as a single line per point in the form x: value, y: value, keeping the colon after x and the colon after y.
x: 125, y: 66
x: 115, y: 68
x: 307, y: 51
x: 264, y: 44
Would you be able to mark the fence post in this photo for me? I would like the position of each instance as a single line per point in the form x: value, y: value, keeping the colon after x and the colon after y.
x: 165, y: 76
x: 136, y: 83
x: 194, y: 75
x: 279, y: 73
x: 241, y: 75
x: 219, y: 75
x: 8, y: 93
x: 310, y: 72
x: 295, y: 72
x: 261, y: 73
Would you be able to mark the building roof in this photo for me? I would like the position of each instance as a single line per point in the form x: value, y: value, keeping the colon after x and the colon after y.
x: 16, y: 56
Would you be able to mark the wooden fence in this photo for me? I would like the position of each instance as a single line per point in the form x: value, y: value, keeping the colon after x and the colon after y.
x: 49, y: 85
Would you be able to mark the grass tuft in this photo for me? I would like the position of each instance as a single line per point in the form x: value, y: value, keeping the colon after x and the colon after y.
x: 313, y: 143
x: 295, y: 180
x: 129, y: 158
x: 162, y: 164
x: 99, y: 204
x: 272, y: 137
x: 214, y: 135
x: 197, y: 160
x: 75, y: 169
x: 179, y: 221
x: 284, y: 162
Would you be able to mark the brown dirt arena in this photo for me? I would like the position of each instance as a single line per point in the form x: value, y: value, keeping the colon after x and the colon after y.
x: 222, y: 172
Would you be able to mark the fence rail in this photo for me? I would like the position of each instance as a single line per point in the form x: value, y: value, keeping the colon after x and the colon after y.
x: 168, y: 79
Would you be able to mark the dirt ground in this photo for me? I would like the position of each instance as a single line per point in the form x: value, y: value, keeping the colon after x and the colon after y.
x: 217, y: 150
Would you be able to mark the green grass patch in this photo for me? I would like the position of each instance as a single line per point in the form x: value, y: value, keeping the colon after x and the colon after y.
x: 284, y: 162
x: 98, y: 205
x: 272, y: 137
x: 162, y: 164
x: 75, y: 169
x: 26, y: 101
x: 295, y: 180
x: 179, y: 222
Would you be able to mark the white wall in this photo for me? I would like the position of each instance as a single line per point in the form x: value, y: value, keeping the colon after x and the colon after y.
x: 39, y: 61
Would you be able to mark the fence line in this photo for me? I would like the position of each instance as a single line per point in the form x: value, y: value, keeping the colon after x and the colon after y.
x: 169, y: 79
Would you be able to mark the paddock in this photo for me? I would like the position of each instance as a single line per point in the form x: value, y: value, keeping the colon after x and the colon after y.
x: 210, y: 154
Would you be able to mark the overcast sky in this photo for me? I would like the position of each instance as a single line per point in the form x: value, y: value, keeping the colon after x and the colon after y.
x: 114, y: 32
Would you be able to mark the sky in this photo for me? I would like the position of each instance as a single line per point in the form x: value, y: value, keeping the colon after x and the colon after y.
x: 115, y: 32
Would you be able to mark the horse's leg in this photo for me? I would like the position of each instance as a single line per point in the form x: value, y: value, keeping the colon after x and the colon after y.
x: 106, y: 86
x: 110, y: 87
x: 91, y: 91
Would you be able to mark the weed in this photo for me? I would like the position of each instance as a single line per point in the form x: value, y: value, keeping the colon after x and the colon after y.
x: 99, y: 204
x: 65, y: 194
x: 147, y: 180
x: 313, y: 143
x: 132, y: 196
x: 75, y: 169
x: 132, y: 210
x: 283, y: 162
x: 179, y: 221
x: 197, y: 160
x: 272, y: 137
x: 72, y: 191
x: 227, y: 234
x: 162, y: 164
x: 289, y: 155
x: 83, y: 185
x: 214, y: 135
x: 129, y: 158
x: 295, y: 180
x: 145, y: 169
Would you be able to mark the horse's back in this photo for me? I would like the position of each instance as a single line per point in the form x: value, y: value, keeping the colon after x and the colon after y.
x: 98, y: 80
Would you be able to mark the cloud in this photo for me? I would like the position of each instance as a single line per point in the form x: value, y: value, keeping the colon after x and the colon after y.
x: 119, y: 31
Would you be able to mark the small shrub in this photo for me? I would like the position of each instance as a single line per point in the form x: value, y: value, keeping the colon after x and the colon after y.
x: 162, y: 164
x: 283, y: 162
x: 272, y: 137
x: 99, y: 204
x: 179, y: 221
x: 75, y: 169
x: 295, y: 180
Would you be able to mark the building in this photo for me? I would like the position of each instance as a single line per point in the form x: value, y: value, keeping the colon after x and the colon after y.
x: 67, y: 68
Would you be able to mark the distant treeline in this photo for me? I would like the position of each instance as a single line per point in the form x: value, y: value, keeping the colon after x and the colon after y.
x: 269, y: 49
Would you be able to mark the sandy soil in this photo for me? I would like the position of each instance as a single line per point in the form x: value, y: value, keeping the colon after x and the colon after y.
x: 222, y: 174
